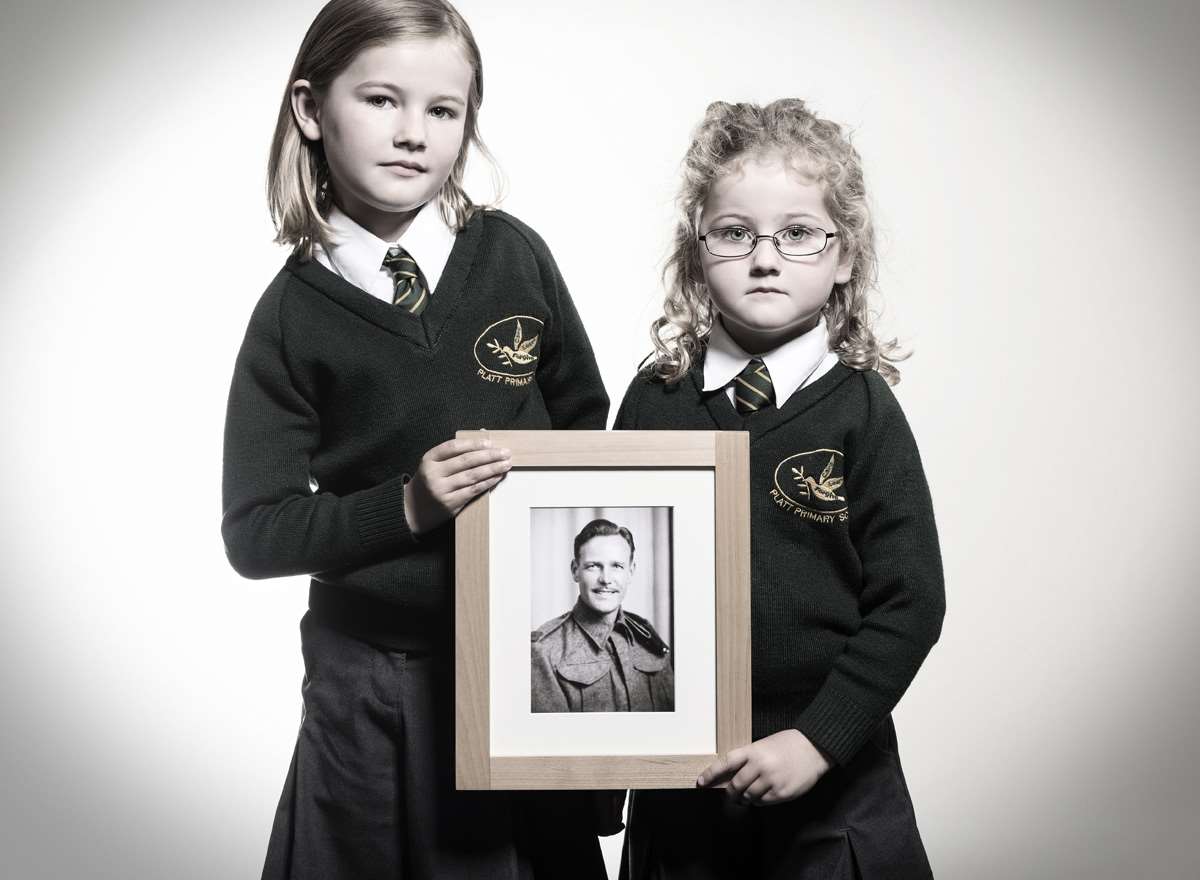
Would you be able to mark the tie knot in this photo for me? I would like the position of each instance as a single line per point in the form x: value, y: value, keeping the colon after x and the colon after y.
x: 752, y: 388
x: 408, y: 285
x: 398, y: 258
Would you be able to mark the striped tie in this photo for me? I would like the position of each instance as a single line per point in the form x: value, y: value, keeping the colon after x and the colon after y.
x: 409, y: 290
x: 752, y: 388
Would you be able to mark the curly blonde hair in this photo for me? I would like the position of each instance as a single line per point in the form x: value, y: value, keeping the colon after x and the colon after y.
x: 729, y: 134
x: 298, y: 175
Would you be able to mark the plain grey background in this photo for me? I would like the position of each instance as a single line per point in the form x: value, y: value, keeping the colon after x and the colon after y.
x: 1036, y: 190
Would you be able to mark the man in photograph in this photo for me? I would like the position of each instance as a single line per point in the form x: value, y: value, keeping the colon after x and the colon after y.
x: 599, y: 657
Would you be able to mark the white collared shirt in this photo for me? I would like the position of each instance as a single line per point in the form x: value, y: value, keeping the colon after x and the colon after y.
x: 357, y: 255
x: 795, y: 364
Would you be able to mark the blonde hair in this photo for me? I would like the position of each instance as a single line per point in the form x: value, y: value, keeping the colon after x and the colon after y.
x: 729, y: 134
x: 297, y: 173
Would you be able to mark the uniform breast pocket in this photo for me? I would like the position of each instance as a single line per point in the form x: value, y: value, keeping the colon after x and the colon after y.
x: 659, y: 680
x: 587, y: 686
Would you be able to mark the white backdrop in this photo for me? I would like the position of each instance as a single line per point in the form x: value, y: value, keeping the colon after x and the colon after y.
x: 1037, y: 197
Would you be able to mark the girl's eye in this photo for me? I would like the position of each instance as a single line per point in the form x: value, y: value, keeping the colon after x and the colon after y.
x: 734, y: 233
x: 797, y: 233
x: 379, y: 100
x: 442, y: 113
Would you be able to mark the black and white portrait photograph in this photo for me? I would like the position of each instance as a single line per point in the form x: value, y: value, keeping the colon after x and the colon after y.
x: 933, y: 264
x: 602, y: 627
x: 610, y: 651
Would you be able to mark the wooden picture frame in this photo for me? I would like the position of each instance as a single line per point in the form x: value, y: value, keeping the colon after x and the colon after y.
x: 719, y: 456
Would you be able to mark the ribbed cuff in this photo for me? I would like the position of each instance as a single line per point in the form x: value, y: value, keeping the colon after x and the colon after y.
x: 379, y: 515
x: 836, y: 725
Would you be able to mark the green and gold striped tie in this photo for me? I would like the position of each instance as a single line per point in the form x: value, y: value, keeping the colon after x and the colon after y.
x: 408, y: 284
x: 752, y: 388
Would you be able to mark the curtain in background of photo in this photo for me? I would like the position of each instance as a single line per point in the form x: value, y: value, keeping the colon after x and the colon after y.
x: 552, y: 532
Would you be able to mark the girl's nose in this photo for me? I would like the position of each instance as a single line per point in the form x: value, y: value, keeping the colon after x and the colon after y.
x: 410, y: 131
x: 764, y: 258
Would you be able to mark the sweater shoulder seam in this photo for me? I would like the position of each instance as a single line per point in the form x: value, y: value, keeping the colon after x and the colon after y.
x: 532, y: 240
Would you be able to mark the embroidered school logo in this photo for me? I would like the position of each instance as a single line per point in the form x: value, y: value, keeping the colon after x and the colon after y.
x: 507, y: 351
x: 809, y: 484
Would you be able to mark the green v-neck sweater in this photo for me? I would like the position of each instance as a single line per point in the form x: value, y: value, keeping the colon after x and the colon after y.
x: 847, y: 595
x: 336, y: 395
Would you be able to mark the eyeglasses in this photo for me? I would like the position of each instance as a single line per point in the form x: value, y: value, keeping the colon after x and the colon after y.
x: 794, y: 241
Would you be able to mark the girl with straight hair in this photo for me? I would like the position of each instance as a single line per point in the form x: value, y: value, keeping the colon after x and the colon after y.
x: 405, y: 313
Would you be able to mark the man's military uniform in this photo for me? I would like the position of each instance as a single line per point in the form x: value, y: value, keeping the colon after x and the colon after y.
x: 582, y: 664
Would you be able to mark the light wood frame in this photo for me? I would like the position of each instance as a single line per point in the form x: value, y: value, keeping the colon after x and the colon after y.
x: 727, y: 454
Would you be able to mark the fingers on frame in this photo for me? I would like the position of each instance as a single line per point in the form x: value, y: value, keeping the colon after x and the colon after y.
x: 730, y: 763
x: 476, y: 475
x: 758, y: 791
x: 457, y: 499
x: 742, y: 781
x: 454, y: 446
x: 474, y: 459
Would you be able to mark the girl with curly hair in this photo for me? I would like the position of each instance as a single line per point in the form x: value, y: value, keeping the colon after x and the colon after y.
x: 766, y: 329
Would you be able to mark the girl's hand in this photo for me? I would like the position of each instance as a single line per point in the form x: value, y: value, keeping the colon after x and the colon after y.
x: 772, y: 770
x: 450, y: 475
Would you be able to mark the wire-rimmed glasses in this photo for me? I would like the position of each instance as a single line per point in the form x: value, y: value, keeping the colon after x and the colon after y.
x: 791, y: 241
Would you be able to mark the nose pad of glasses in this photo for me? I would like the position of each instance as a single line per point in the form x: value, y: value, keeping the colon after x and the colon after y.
x: 767, y: 253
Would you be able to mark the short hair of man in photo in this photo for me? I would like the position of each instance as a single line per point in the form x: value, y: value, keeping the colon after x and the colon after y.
x: 599, y: 527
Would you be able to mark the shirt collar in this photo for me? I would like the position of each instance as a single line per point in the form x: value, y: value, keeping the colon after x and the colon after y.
x: 593, y: 624
x: 357, y: 254
x: 789, y: 365
x: 429, y: 241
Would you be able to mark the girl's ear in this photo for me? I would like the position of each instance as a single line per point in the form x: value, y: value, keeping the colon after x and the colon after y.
x: 845, y: 267
x: 305, y: 110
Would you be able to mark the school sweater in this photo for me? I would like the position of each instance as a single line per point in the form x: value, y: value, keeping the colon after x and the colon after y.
x: 847, y: 595
x: 337, y: 395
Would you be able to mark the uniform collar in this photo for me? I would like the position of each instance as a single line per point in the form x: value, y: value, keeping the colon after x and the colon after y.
x: 789, y: 364
x: 357, y: 254
x: 593, y: 624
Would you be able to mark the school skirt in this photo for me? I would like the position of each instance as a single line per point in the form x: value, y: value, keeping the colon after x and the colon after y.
x: 370, y: 791
x: 856, y: 823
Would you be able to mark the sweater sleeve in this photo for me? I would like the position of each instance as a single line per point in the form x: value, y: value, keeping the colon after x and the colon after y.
x: 567, y: 373
x: 273, y: 522
x: 902, y: 601
x: 627, y: 413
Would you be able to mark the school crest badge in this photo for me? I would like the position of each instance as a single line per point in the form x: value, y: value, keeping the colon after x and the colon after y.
x: 507, y: 351
x: 809, y: 484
